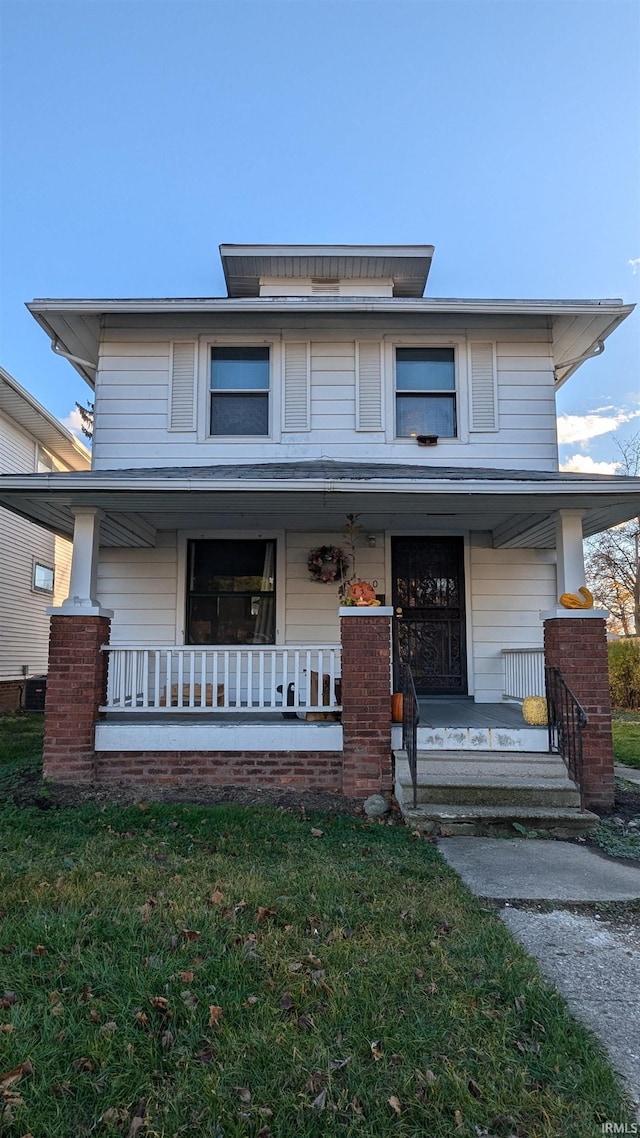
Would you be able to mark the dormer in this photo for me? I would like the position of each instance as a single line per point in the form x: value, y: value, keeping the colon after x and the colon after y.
x: 326, y: 270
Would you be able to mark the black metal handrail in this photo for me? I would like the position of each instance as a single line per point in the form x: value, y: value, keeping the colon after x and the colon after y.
x: 410, y: 720
x: 566, y: 719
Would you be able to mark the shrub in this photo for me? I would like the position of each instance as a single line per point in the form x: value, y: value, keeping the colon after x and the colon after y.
x: 624, y: 673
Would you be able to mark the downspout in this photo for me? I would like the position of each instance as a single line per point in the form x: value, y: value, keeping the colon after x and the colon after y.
x: 597, y: 350
x: 58, y: 351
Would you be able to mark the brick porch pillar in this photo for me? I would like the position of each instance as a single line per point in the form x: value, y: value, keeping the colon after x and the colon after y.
x: 76, y: 687
x: 365, y: 634
x: 576, y: 644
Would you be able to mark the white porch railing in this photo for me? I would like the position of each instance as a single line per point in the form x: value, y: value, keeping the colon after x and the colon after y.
x: 224, y: 679
x: 523, y: 672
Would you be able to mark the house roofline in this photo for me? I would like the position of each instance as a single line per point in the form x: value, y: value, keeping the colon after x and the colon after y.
x: 30, y: 415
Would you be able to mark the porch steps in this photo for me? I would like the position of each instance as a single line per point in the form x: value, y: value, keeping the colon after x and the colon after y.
x: 487, y: 792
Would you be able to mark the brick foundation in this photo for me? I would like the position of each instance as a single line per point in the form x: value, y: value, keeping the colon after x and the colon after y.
x: 11, y: 695
x: 366, y: 704
x: 76, y: 686
x: 308, y: 770
x: 577, y: 646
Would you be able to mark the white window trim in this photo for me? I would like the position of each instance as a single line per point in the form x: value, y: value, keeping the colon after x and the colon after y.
x: 459, y: 345
x: 36, y: 588
x: 184, y: 536
x: 242, y: 340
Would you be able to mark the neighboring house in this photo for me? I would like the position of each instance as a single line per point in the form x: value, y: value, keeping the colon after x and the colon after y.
x: 233, y: 436
x: 34, y: 562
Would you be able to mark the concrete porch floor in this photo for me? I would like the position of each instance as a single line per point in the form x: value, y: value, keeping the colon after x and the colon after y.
x: 462, y: 711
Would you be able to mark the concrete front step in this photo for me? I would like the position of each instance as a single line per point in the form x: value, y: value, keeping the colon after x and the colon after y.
x: 483, y: 738
x: 480, y: 791
x: 496, y: 821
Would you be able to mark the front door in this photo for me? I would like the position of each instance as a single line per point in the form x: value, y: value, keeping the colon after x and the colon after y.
x: 429, y: 621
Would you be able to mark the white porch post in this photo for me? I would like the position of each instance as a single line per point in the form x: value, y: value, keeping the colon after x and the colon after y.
x: 82, y: 600
x: 569, y: 551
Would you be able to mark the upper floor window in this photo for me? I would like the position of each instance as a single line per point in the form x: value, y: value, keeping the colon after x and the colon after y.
x: 425, y: 392
x: 44, y: 461
x: 239, y: 391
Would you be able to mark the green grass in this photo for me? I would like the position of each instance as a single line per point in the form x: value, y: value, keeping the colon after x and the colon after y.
x: 363, y: 990
x: 626, y: 739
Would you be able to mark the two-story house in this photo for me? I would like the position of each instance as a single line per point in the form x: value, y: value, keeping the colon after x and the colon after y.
x: 34, y: 562
x: 233, y: 438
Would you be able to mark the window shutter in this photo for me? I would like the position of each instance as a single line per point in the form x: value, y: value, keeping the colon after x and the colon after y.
x: 295, y: 415
x: 368, y: 386
x: 483, y: 386
x: 183, y: 386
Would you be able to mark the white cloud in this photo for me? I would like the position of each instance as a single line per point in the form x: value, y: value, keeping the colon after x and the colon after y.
x: 73, y: 423
x: 581, y: 428
x: 584, y: 464
x: 635, y: 265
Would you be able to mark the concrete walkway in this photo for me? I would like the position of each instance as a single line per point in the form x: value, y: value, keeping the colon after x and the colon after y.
x: 629, y: 774
x: 593, y: 960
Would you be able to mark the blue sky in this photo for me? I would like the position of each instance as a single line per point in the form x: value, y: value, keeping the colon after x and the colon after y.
x: 137, y: 135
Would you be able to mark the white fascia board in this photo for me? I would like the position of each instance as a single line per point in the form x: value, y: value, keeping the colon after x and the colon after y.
x: 76, y: 483
x: 36, y: 420
x: 39, y: 308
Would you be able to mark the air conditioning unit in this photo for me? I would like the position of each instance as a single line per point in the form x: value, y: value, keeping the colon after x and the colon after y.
x: 34, y: 693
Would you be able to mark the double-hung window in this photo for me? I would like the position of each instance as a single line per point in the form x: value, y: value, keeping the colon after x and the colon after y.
x: 239, y: 391
x: 425, y: 392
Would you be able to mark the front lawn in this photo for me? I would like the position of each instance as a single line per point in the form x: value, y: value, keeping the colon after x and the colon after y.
x: 626, y: 738
x: 188, y: 971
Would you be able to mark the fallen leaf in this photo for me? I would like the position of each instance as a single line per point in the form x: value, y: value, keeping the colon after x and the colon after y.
x: 6, y: 1028
x: 61, y: 1089
x: 264, y: 912
x: 316, y: 833
x: 319, y: 1102
x: 244, y: 1094
x: 376, y: 1050
x: 314, y: 960
x: 142, y: 1018
x: 306, y: 1022
x: 394, y: 1103
x: 216, y: 897
x: 146, y: 910
x: 215, y: 1013
x: 239, y: 908
x: 108, y: 1028
x: 252, y: 999
x: 115, y: 1114
x: 166, y: 1039
x: 191, y: 934
x: 264, y: 1132
x: 186, y: 977
x: 83, y: 1064
x: 15, y: 1074
x: 189, y: 999
x: 294, y: 967
x: 432, y: 989
x: 95, y: 1016
x: 138, y: 1118
x: 40, y: 950
x: 419, y: 973
x: 286, y: 1001
x: 160, y: 1003
x: 338, y: 1064
x: 474, y: 1089
x: 429, y: 1077
x: 458, y: 1118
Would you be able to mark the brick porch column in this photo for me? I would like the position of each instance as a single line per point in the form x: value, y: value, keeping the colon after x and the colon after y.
x: 365, y: 634
x: 77, y: 676
x: 576, y: 644
x: 76, y: 687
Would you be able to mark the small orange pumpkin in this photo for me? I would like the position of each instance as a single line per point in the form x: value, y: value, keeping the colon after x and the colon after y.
x: 362, y: 593
x: 396, y: 707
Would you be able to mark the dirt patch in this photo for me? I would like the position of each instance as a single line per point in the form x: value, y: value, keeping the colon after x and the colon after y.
x: 123, y: 794
x: 626, y: 805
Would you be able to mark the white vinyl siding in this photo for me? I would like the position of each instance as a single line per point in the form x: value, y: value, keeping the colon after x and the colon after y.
x: 483, y: 387
x: 24, y: 623
x: 140, y: 586
x: 509, y: 589
x: 133, y: 389
x: 311, y: 608
x: 369, y: 397
x: 296, y: 394
x: 182, y: 416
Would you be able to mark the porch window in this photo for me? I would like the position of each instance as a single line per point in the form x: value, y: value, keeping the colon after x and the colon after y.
x: 231, y: 592
x: 239, y: 391
x: 425, y: 392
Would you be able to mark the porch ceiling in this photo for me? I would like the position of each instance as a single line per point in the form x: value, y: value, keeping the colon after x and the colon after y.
x: 516, y: 507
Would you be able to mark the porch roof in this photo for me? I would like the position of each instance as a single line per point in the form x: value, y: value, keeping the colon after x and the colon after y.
x: 516, y: 507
